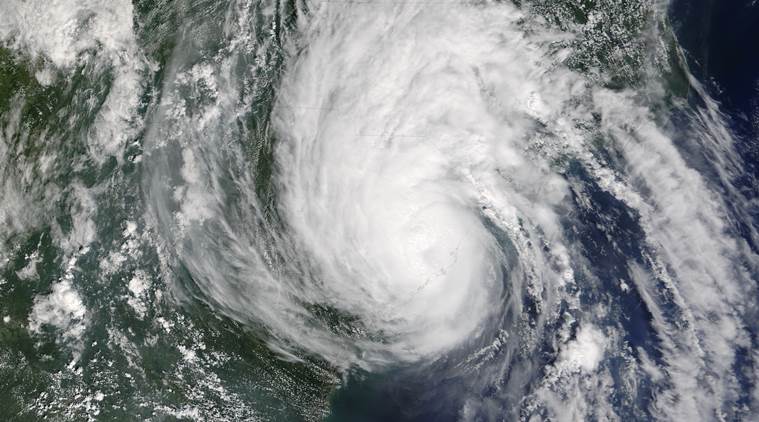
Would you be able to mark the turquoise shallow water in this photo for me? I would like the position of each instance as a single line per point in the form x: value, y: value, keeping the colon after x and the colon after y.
x: 368, y: 211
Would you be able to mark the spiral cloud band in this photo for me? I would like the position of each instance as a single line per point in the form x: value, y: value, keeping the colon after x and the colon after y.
x: 423, y: 193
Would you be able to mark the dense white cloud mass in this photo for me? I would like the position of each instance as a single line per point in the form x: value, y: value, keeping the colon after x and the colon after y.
x: 420, y: 174
x: 386, y: 185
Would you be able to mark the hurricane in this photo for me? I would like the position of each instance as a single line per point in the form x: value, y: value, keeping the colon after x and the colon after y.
x: 376, y: 210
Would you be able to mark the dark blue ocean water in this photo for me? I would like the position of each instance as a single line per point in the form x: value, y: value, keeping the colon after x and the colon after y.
x: 720, y: 38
